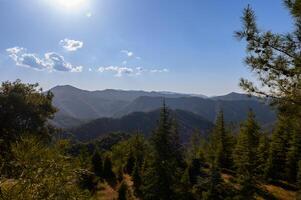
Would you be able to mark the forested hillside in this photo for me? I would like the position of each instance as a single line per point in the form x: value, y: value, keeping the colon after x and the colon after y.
x: 144, y: 123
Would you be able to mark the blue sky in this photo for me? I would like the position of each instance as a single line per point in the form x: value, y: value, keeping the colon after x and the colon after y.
x: 163, y: 45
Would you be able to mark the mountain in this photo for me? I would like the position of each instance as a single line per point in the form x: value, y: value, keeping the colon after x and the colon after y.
x: 234, y: 111
x: 88, y: 105
x: 233, y: 96
x: 144, y: 122
x: 78, y: 106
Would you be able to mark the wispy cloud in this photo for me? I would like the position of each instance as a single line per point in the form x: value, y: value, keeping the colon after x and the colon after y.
x: 159, y: 70
x: 119, y: 71
x: 51, y: 61
x: 128, y: 53
x: 71, y: 45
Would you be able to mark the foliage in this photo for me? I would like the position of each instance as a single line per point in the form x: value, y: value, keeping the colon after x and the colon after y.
x: 221, y: 144
x: 43, y: 173
x: 97, y: 164
x: 245, y: 155
x: 161, y: 173
x: 278, y: 149
x: 275, y: 58
x: 108, y: 173
x: 123, y: 191
x: 24, y: 109
x: 299, y: 181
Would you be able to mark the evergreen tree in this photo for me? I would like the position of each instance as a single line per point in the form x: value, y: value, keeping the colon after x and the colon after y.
x: 245, y: 155
x: 299, y: 181
x: 130, y: 163
x: 97, y: 164
x: 162, y: 170
x: 278, y: 150
x: 25, y: 109
x: 123, y: 191
x: 194, y: 148
x: 108, y: 173
x: 263, y: 155
x: 136, y: 177
x: 274, y: 58
x: 221, y: 143
x: 194, y: 170
x: 293, y: 154
x: 215, y: 185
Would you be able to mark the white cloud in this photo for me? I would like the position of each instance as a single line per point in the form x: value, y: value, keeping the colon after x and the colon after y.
x: 119, y: 71
x: 51, y: 61
x: 32, y: 61
x: 71, y: 45
x: 124, y: 62
x: 14, y: 51
x: 58, y: 63
x: 159, y: 70
x: 128, y: 53
x: 138, y: 58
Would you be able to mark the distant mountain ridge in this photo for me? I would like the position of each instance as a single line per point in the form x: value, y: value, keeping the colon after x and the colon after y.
x: 77, y: 106
x: 144, y: 122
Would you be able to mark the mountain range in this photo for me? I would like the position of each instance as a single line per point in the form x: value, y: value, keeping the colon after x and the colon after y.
x: 119, y: 110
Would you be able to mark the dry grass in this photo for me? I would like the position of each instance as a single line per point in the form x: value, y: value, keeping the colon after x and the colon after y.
x: 280, y: 193
x: 106, y: 192
x: 274, y: 191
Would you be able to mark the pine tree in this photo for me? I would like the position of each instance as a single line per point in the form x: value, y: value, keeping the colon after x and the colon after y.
x: 97, y: 164
x: 274, y: 58
x: 194, y: 145
x: 130, y: 163
x: 136, y: 177
x: 299, y: 181
x: 245, y: 155
x: 214, y: 187
x: 162, y: 169
x: 278, y: 150
x: 108, y: 173
x: 194, y: 170
x: 294, y: 153
x: 123, y: 191
x: 263, y: 155
x: 221, y: 143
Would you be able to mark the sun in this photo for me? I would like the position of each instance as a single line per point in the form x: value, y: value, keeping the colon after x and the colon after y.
x: 70, y: 4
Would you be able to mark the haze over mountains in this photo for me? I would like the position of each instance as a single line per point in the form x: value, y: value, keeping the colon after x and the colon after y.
x: 99, y: 112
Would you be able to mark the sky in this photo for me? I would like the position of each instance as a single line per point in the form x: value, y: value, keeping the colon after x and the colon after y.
x: 154, y: 45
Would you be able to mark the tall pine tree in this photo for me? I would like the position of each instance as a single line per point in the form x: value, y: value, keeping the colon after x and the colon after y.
x: 97, y: 164
x: 278, y: 150
x: 245, y: 155
x: 162, y: 169
x: 220, y: 142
